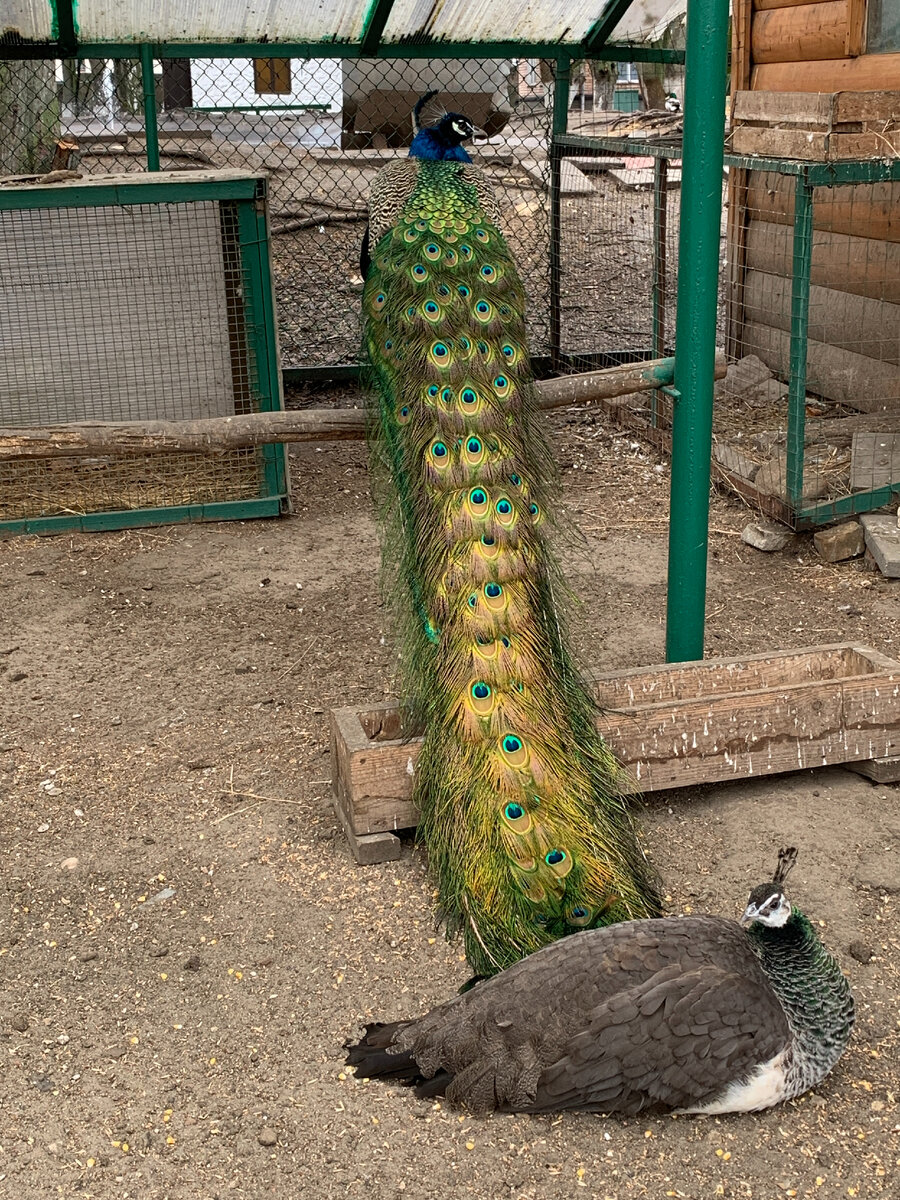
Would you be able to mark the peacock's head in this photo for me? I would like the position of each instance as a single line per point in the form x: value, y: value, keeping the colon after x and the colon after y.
x: 768, y: 903
x: 454, y: 129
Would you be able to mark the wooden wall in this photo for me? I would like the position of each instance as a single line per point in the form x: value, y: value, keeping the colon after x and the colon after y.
x: 854, y: 349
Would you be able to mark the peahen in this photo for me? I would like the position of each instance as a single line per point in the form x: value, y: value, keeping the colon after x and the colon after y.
x: 685, y: 1013
x: 527, y: 832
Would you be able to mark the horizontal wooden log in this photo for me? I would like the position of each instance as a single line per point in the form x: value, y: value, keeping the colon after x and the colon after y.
x: 808, y: 32
x: 875, y: 72
x: 862, y: 266
x: 215, y: 435
x: 863, y: 210
x: 836, y: 318
x: 853, y: 379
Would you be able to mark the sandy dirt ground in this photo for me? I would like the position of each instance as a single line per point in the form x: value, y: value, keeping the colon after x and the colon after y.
x: 185, y: 942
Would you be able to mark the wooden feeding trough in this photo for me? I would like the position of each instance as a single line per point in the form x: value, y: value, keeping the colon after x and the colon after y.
x: 670, y: 726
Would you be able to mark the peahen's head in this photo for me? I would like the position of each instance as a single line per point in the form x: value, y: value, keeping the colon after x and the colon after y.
x: 767, y: 903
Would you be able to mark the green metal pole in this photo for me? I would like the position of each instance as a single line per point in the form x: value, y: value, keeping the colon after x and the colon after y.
x: 800, y: 271
x: 559, y: 126
x: 695, y: 327
x: 150, y: 121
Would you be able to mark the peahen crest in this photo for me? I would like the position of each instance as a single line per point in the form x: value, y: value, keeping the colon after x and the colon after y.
x: 521, y: 812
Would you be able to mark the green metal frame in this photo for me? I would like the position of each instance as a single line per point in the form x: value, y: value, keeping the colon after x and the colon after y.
x: 249, y: 192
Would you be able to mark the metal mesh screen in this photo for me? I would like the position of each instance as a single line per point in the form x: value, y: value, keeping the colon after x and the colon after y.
x: 810, y: 413
x: 125, y: 313
x: 321, y: 129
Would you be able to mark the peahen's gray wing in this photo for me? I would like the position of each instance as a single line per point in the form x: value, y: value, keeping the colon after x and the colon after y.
x: 668, y: 1012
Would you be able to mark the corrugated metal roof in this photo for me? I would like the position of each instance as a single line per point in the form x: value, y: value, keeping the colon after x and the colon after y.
x: 29, y: 18
x: 492, y: 20
x: 220, y: 20
x: 565, y: 22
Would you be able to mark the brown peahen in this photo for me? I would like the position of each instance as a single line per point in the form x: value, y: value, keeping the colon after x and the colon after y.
x: 687, y: 1013
x: 527, y: 832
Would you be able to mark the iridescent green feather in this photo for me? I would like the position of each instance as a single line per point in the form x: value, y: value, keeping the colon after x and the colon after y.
x: 527, y: 832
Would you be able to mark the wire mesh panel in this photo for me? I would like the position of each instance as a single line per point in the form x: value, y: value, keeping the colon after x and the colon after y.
x: 810, y: 414
x: 142, y: 300
x: 321, y: 129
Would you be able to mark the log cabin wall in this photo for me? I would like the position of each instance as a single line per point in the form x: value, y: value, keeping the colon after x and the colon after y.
x: 854, y: 346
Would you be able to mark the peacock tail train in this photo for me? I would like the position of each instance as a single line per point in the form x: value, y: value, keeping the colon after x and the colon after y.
x: 526, y: 829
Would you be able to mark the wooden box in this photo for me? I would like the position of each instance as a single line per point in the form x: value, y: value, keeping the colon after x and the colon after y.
x: 817, y: 126
x: 671, y: 726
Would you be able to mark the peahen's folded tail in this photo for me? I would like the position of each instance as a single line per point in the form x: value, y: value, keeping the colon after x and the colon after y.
x: 526, y: 828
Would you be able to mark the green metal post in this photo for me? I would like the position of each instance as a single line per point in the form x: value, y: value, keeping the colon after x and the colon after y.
x: 695, y: 329
x: 559, y: 126
x: 151, y: 129
x: 658, y: 295
x: 800, y: 268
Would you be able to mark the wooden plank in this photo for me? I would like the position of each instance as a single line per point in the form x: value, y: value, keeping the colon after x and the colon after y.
x: 874, y: 460
x: 855, y: 41
x: 880, y: 770
x: 794, y: 108
x: 837, y: 318
x: 765, y: 5
x: 705, y: 722
x: 866, y: 106
x: 862, y: 266
x: 737, y: 224
x: 867, y: 210
x: 807, y: 32
x: 856, y: 380
x: 741, y: 62
x: 875, y: 72
x: 871, y: 144
x: 780, y: 143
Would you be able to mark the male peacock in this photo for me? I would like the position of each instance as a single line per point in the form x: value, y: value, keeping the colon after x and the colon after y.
x: 688, y: 1013
x: 526, y: 830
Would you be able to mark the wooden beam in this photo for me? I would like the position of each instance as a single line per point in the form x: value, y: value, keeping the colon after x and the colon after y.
x: 864, y: 210
x: 808, y: 32
x: 217, y: 434
x: 868, y: 72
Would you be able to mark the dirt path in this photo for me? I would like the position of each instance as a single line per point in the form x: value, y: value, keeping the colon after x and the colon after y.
x: 185, y: 943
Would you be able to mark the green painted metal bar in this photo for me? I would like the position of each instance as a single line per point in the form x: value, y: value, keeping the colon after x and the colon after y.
x: 574, y: 144
x: 658, y: 290
x: 559, y: 124
x: 600, y: 32
x: 800, y: 272
x: 822, y: 174
x: 373, y: 27
x: 151, y: 125
x: 164, y: 192
x: 847, y: 506
x: 135, y: 518
x: 695, y: 332
x: 619, y: 52
x: 259, y: 322
x: 66, y: 30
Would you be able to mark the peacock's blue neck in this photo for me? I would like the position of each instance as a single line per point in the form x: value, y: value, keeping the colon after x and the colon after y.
x: 430, y: 146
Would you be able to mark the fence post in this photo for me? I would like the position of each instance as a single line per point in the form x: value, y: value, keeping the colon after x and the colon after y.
x: 658, y: 295
x: 559, y: 126
x: 151, y: 129
x: 801, y: 263
x: 695, y: 328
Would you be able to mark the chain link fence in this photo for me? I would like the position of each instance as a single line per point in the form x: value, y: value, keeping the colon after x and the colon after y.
x: 321, y: 129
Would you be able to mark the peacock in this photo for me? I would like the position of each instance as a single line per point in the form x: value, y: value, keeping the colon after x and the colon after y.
x: 693, y: 1013
x: 527, y: 832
